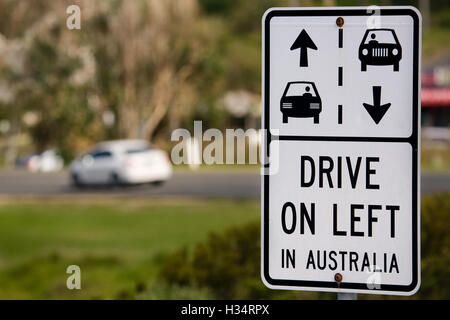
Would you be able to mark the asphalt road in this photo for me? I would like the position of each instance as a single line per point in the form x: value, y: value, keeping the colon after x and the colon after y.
x: 208, y: 184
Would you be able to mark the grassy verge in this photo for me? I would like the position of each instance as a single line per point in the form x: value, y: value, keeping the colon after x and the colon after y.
x: 118, y: 245
x: 435, y: 159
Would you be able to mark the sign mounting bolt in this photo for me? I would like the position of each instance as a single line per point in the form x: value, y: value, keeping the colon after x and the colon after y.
x: 338, y: 277
x: 340, y: 22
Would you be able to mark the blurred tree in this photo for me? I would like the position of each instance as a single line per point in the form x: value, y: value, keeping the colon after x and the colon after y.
x: 45, y: 73
x: 238, y: 50
x: 138, y: 63
x: 148, y: 52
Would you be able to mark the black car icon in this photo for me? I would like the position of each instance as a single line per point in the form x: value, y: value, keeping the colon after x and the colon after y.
x: 301, y: 100
x: 380, y: 47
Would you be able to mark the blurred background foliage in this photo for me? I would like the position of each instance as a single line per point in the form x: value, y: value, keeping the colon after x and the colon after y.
x: 138, y: 68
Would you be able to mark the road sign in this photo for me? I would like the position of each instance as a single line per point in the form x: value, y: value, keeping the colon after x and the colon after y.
x: 340, y: 201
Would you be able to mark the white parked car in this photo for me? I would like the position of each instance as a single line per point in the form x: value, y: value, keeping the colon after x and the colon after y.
x: 46, y: 161
x: 121, y: 162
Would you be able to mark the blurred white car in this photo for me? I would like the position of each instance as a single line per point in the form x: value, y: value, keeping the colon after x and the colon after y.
x: 121, y: 162
x: 46, y: 161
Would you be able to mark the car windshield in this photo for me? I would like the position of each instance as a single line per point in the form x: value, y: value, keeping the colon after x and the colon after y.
x: 97, y: 154
x: 380, y: 36
x: 300, y: 89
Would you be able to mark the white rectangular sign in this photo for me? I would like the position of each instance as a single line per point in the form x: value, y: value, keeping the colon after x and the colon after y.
x: 340, y: 201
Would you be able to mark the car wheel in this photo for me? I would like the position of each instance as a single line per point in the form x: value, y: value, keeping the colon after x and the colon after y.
x: 285, y: 118
x: 157, y: 183
x: 115, y: 181
x: 316, y: 119
x: 396, y: 67
x: 363, y: 67
x: 76, y: 181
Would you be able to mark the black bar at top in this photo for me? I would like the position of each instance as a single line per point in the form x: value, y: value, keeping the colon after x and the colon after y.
x: 341, y: 38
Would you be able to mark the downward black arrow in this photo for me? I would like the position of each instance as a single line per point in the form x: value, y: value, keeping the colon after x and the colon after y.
x: 303, y: 42
x: 376, y: 110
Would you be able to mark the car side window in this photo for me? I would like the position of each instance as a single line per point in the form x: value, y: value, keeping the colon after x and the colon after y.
x: 101, y: 154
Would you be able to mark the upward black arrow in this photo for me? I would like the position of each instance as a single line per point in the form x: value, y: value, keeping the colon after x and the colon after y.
x: 377, y: 110
x: 303, y: 42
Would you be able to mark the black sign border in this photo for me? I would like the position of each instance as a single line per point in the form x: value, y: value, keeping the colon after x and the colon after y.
x: 412, y: 140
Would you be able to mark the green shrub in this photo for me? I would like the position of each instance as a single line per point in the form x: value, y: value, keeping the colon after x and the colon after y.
x: 220, y: 263
x: 435, y: 247
x: 227, y: 264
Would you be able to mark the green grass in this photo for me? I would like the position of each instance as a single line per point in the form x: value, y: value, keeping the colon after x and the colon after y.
x: 117, y: 244
x: 435, y: 159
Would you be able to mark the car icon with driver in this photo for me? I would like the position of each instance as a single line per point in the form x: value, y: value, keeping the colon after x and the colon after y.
x: 380, y: 47
x: 301, y: 100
